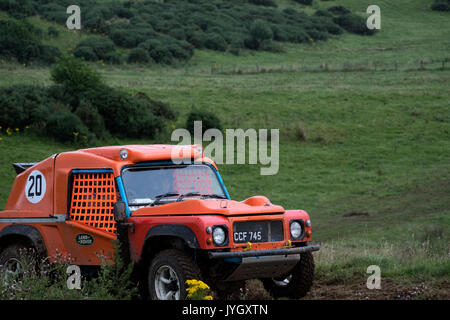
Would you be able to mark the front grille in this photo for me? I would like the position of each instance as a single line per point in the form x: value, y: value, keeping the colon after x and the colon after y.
x: 258, y: 231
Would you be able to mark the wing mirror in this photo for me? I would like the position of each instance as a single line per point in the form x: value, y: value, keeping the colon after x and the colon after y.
x: 120, y: 212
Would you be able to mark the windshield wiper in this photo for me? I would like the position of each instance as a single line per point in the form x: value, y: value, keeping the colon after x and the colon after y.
x: 202, y: 196
x: 190, y: 194
x: 164, y: 195
x: 219, y: 196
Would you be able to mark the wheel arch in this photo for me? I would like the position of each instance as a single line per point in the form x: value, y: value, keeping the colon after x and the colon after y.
x: 25, y: 234
x: 170, y: 236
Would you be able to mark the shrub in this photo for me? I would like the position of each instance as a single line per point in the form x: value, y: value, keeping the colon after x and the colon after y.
x: 48, y: 54
x: 158, y: 108
x: 123, y: 38
x: 23, y: 105
x: 318, y: 35
x: 305, y: 2
x: 75, y: 75
x: 138, y: 55
x: 354, y: 23
x: 91, y: 118
x: 19, y: 39
x: 441, y: 5
x: 161, y: 54
x: 123, y: 114
x: 209, y: 120
x: 113, y: 58
x: 150, y: 44
x: 260, y: 32
x: 339, y: 10
x: 267, y: 3
x: 85, y: 53
x: 65, y: 126
x: 215, y: 41
x: 99, y: 46
x: 52, y: 32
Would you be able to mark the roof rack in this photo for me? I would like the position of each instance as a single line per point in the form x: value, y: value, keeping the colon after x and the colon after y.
x: 22, y: 166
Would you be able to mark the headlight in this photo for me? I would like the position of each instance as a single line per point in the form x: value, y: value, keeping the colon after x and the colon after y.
x: 219, y: 236
x: 296, y: 229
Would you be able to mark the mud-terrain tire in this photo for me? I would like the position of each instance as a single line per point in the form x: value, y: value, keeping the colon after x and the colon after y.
x: 11, y: 261
x: 297, y: 284
x: 168, y: 272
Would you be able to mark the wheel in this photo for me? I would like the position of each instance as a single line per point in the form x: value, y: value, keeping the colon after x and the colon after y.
x: 297, y: 284
x: 11, y: 262
x: 168, y: 273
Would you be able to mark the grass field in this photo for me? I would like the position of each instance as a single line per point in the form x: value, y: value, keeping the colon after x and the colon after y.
x: 373, y: 166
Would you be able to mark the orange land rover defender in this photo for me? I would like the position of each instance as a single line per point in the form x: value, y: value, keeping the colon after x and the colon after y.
x: 170, y: 211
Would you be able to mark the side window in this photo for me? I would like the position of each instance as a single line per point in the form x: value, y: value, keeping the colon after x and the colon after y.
x: 93, y: 196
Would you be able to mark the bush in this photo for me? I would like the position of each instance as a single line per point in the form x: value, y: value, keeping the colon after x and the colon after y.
x: 441, y: 5
x: 113, y: 58
x: 52, y: 32
x: 85, y: 53
x: 158, y: 108
x: 91, y: 118
x: 215, y: 41
x: 75, y: 75
x: 267, y: 3
x: 260, y: 32
x: 339, y: 10
x: 48, y: 54
x: 64, y: 126
x: 23, y: 105
x: 138, y: 55
x: 209, y: 120
x: 99, y: 46
x: 354, y: 23
x: 19, y: 39
x: 123, y: 114
x: 305, y: 2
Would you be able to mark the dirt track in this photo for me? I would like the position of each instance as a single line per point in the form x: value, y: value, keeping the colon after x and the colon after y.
x: 355, y: 289
x: 390, y: 290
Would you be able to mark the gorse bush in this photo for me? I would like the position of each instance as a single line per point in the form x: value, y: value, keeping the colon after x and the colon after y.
x: 441, y: 5
x: 209, y: 120
x: 94, y: 48
x: 169, y: 30
x: 21, y: 40
x: 80, y: 108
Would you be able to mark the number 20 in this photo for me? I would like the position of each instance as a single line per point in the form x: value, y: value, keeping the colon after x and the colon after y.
x: 36, y: 184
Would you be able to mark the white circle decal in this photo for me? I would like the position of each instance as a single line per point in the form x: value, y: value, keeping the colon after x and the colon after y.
x: 35, y: 187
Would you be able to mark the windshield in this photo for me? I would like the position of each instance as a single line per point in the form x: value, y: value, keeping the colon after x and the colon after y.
x: 149, y: 185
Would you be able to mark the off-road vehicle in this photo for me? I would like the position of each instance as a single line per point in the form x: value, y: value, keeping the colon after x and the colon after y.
x: 171, y: 212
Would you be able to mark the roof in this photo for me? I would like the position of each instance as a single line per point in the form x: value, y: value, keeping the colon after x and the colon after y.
x: 152, y: 152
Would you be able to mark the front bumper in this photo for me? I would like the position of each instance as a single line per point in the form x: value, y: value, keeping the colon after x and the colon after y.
x: 260, y: 264
x: 258, y: 253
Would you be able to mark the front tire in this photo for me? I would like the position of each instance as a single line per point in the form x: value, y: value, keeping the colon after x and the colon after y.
x: 297, y: 284
x: 168, y: 273
x: 11, y: 260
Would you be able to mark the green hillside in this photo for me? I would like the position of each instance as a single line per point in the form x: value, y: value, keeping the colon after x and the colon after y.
x: 364, y: 137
